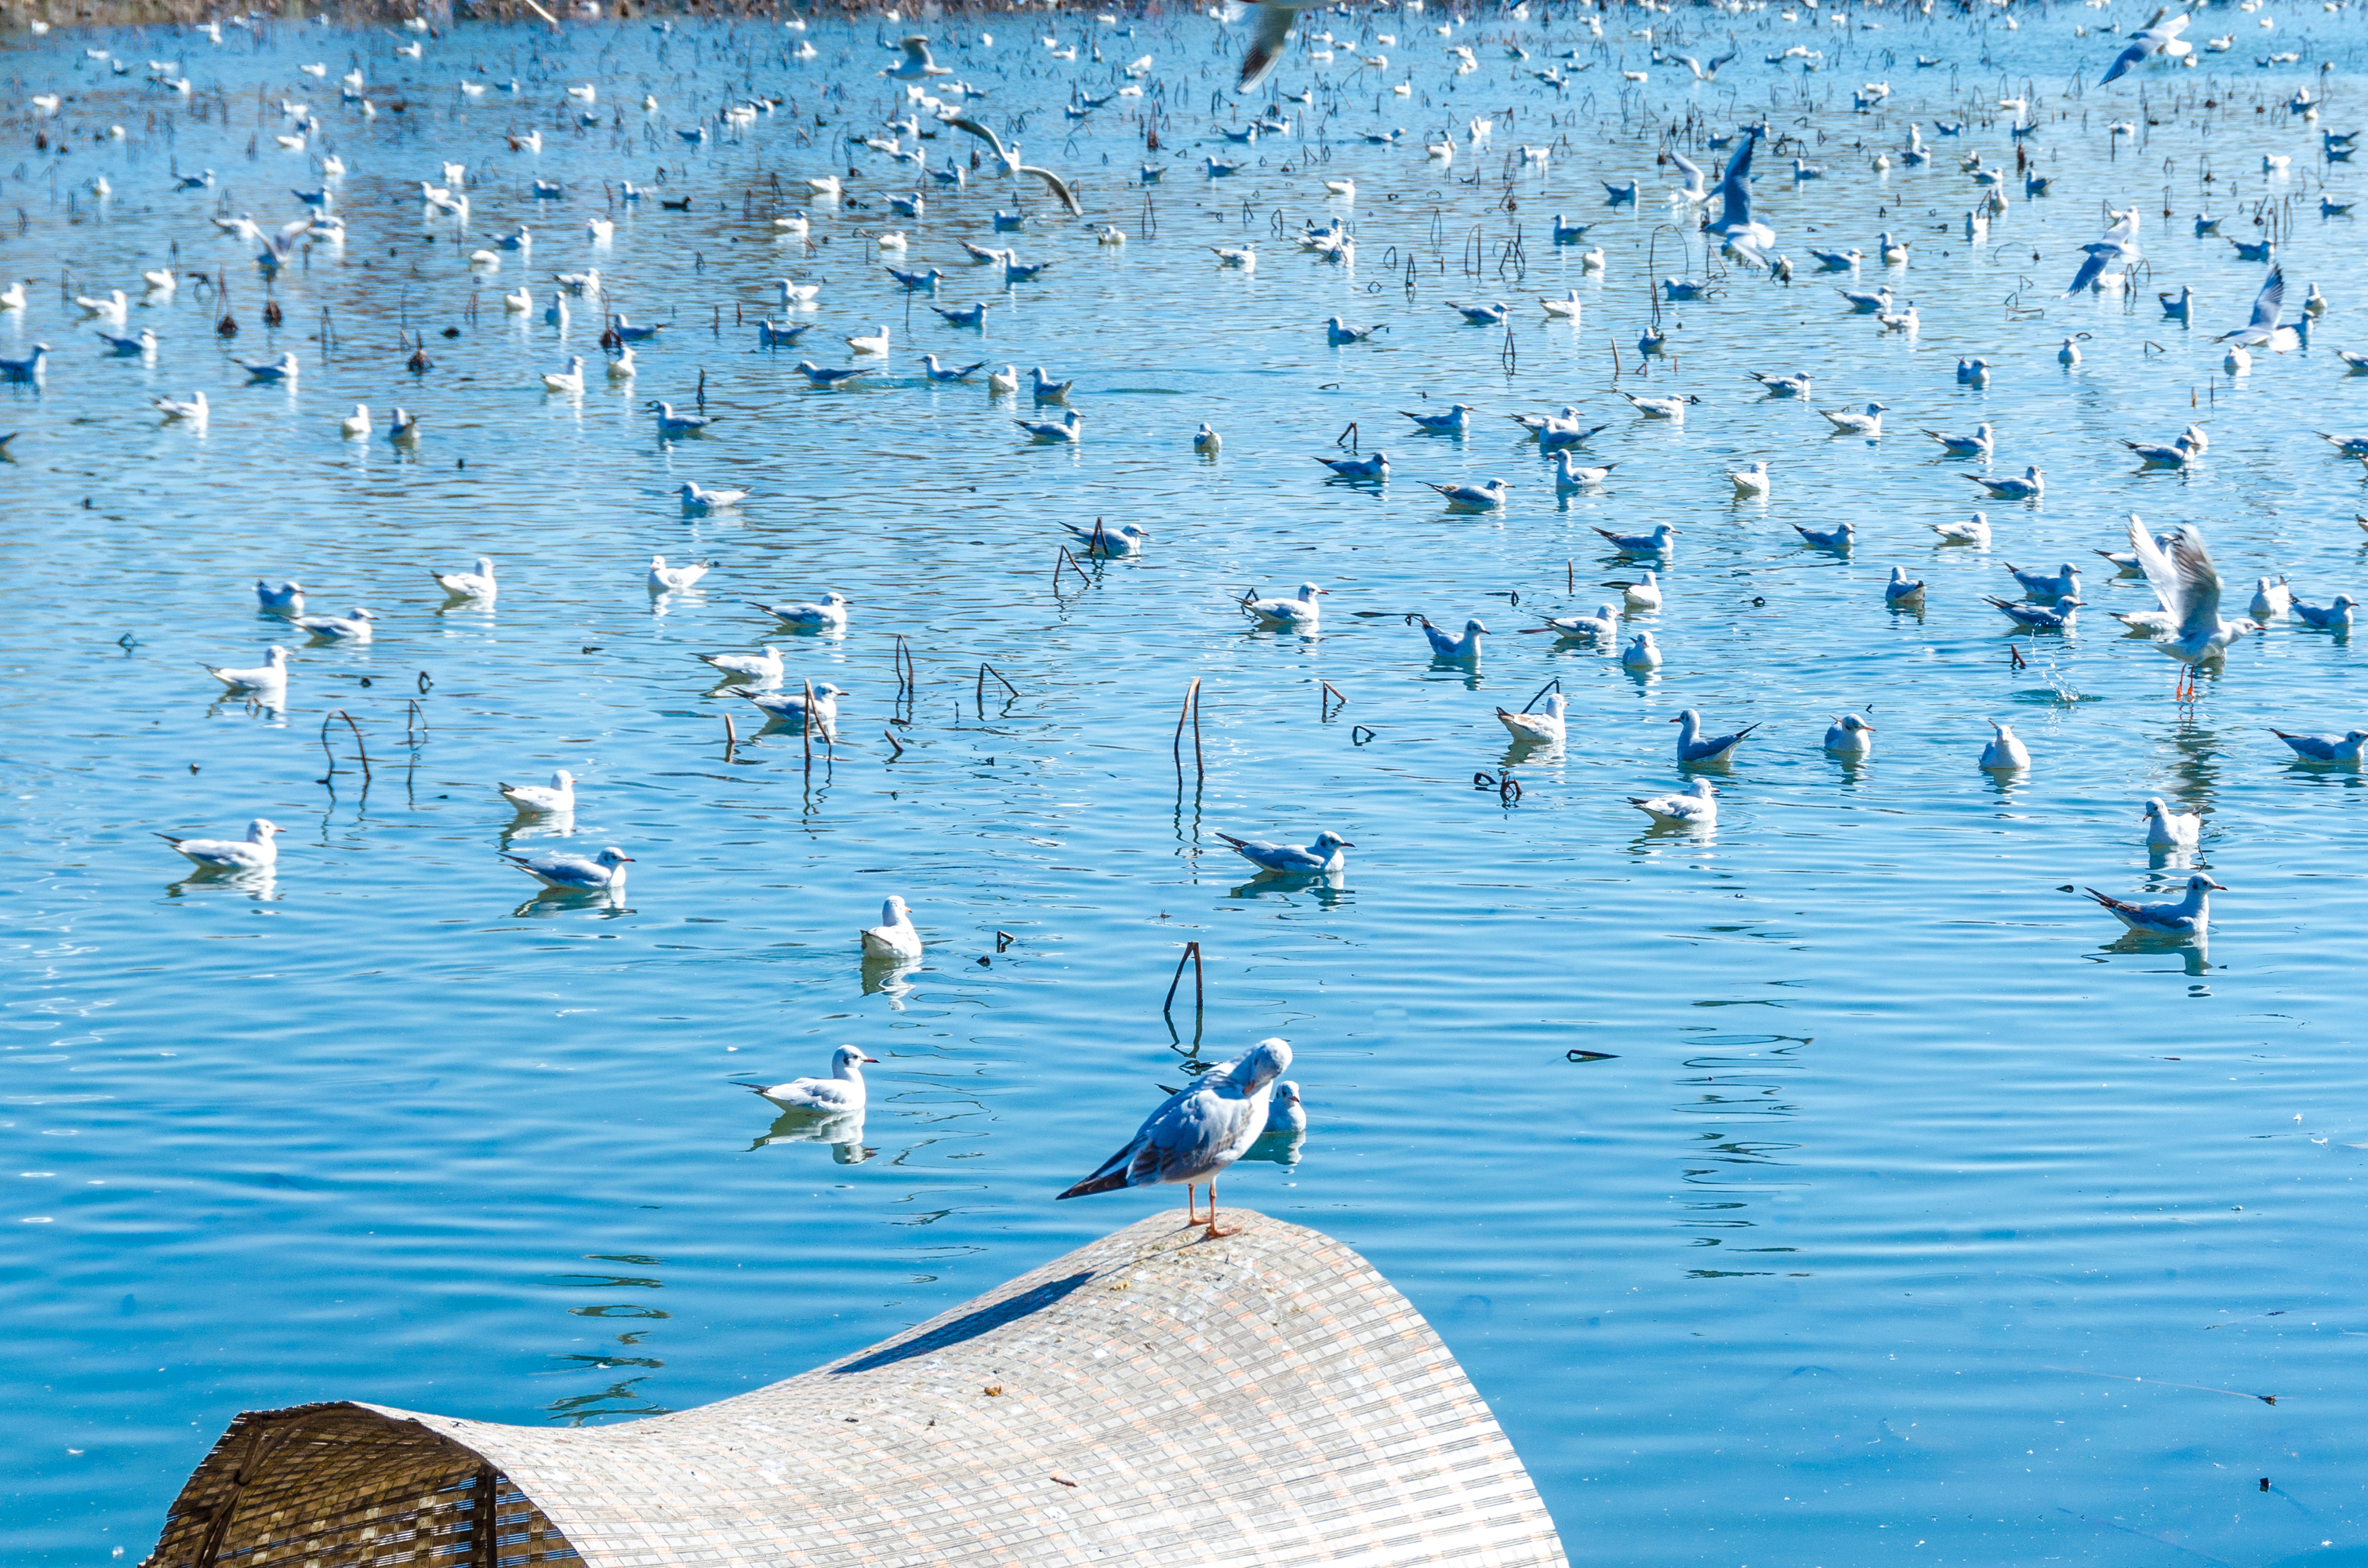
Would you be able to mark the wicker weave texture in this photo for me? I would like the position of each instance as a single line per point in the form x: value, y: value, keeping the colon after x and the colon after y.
x: 1264, y: 1400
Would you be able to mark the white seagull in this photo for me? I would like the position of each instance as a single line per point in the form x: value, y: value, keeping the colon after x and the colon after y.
x: 256, y: 852
x: 1199, y: 1130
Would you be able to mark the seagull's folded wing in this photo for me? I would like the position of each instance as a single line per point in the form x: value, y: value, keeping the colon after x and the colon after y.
x: 1189, y: 1137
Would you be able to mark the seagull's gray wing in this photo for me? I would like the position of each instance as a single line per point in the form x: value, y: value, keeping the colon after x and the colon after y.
x: 1055, y: 183
x: 2144, y: 46
x: 2163, y: 574
x: 2270, y: 301
x: 1687, y: 167
x: 2197, y: 607
x: 985, y: 134
x: 1188, y: 1138
x: 1265, y: 49
x: 2090, y: 270
x: 1734, y: 186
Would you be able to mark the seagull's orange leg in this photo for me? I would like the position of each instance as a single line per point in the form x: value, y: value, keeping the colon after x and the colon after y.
x: 1213, y: 1233
x: 1191, y: 1205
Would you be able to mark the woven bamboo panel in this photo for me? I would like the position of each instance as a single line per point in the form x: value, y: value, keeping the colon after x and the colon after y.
x: 1262, y: 1400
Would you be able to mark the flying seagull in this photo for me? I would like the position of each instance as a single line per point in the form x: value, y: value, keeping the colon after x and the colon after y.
x: 1010, y: 158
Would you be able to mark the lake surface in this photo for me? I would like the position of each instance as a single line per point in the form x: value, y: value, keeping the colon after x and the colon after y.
x: 1909, y: 1214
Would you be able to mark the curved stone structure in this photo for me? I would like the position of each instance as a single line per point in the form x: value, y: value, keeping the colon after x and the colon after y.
x: 1263, y: 1399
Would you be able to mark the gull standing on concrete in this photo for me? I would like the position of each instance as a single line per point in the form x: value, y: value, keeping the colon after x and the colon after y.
x: 1197, y: 1131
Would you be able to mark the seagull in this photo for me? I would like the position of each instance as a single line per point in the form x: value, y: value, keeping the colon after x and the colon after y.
x: 838, y: 1095
x: 697, y: 501
x: 476, y: 584
x: 916, y: 66
x: 665, y: 579
x: 1337, y: 333
x: 2039, y: 618
x: 1751, y: 480
x: 829, y: 613
x: 2187, y: 584
x: 256, y: 852
x: 1298, y: 614
x: 764, y: 668
x: 283, y: 369
x: 1377, y: 466
x: 2335, y: 615
x: 270, y: 674
x: 1127, y: 538
x: 2029, y: 487
x: 1654, y: 544
x: 1456, y: 421
x: 2064, y: 583
x: 1848, y: 736
x: 1442, y: 646
x: 1670, y: 408
x: 1645, y: 595
x: 1973, y: 530
x: 1570, y: 476
x: 1324, y: 855
x: 1069, y: 428
x: 557, y: 796
x: 1848, y: 422
x: 937, y: 372
x: 1693, y: 747
x: 1783, y: 386
x: 1902, y: 590
x: 2167, y: 829
x: 353, y: 628
x: 2343, y: 748
x: 1603, y: 624
x: 1204, y: 1127
x: 2005, y: 751
x: 2262, y: 329
x: 1977, y: 445
x: 577, y: 873
x: 2271, y: 598
x: 2176, y: 455
x: 1642, y: 652
x: 286, y: 599
x: 673, y: 424
x: 1735, y: 226
x: 1865, y: 304
x: 1475, y: 497
x: 1542, y: 728
x: 194, y: 410
x: 2159, y: 36
x: 790, y: 707
x: 2119, y: 248
x: 894, y: 937
x: 1696, y: 808
x: 2189, y: 916
x: 570, y: 379
x: 1012, y: 166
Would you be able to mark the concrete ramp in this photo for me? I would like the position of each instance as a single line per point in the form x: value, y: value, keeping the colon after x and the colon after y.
x: 1266, y: 1399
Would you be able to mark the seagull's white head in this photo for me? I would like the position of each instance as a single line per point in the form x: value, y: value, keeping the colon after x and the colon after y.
x: 563, y: 779
x: 847, y: 1059
x: 893, y: 912
x: 1473, y: 628
x: 613, y: 858
x: 262, y: 828
x: 1263, y: 1063
x: 2200, y: 884
x: 1328, y: 839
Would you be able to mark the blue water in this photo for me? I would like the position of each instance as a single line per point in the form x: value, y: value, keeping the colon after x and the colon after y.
x: 1909, y: 1214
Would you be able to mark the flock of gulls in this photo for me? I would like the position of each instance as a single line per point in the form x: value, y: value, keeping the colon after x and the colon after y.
x: 2193, y: 624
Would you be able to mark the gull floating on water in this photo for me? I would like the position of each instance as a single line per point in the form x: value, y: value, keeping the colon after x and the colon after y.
x: 1698, y: 807
x: 842, y: 1093
x: 2167, y: 829
x: 354, y: 627
x: 2188, y: 917
x: 476, y: 584
x: 2342, y: 749
x: 256, y: 852
x: 2005, y: 751
x: 1299, y: 613
x: 665, y: 579
x: 1545, y: 727
x: 894, y: 937
x: 829, y: 613
x: 550, y: 799
x: 698, y: 500
x: 1694, y: 748
x: 1323, y: 856
x: 269, y: 675
x: 765, y: 667
x: 790, y: 707
x: 1851, y: 735
x: 577, y: 873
